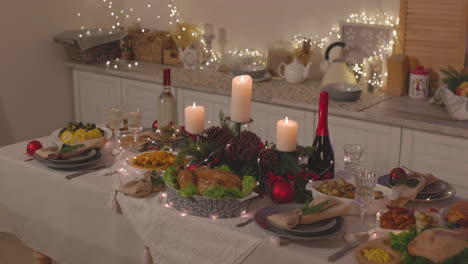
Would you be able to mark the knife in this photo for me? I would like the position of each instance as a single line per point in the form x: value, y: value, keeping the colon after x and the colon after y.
x: 83, y: 172
x: 340, y: 253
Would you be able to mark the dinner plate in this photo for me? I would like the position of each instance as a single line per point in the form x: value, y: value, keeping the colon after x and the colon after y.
x: 261, y: 220
x: 79, y: 159
x: 55, y: 139
x: 52, y: 165
x: 448, y: 193
x: 437, y: 187
x: 310, y: 229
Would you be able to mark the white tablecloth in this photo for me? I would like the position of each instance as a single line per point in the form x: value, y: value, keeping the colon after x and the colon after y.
x: 70, y: 222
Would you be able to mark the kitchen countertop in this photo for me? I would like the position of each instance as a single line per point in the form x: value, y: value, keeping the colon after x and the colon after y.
x: 374, y: 107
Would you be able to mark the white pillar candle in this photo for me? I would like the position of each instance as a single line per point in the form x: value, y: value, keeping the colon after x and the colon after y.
x: 286, y: 135
x: 194, y: 119
x: 240, y: 98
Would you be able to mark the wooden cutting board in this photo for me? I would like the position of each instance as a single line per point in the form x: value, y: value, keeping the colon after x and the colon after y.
x: 383, y: 243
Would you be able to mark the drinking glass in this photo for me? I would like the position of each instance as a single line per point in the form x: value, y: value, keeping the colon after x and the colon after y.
x: 352, y: 158
x: 114, y: 117
x: 135, y: 120
x: 365, y: 183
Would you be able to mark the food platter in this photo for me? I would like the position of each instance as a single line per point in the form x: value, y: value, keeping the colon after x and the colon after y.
x: 374, y: 207
x: 130, y: 161
x: 55, y: 138
x: 328, y: 230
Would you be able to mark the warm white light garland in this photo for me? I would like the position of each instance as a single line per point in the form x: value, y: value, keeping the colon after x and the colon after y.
x: 256, y: 58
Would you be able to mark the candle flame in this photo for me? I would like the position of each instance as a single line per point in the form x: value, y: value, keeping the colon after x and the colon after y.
x: 287, y: 121
x: 194, y: 105
x: 242, y: 78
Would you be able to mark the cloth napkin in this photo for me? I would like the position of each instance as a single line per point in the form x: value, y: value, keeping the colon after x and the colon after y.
x: 407, y: 193
x: 333, y: 207
x: 140, y: 188
x: 55, y: 153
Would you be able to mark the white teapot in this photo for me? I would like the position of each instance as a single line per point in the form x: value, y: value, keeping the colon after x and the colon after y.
x: 189, y: 56
x: 294, y: 72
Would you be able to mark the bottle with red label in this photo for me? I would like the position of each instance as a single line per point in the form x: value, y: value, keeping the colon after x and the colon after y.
x: 322, y: 160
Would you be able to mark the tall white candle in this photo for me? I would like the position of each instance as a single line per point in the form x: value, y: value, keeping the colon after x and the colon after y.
x: 286, y: 135
x: 194, y: 119
x: 240, y: 98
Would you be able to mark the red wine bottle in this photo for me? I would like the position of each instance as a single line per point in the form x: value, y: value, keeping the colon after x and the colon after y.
x: 322, y: 160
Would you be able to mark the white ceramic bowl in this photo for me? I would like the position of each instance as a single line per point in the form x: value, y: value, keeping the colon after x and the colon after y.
x: 376, y: 205
x: 55, y: 139
x: 343, y: 91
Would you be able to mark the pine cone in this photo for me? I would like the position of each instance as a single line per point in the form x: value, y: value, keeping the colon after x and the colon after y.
x: 245, y: 148
x: 268, y: 157
x: 221, y: 135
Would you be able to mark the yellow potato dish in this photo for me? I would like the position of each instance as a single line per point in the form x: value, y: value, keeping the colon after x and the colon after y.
x: 341, y: 188
x: 158, y: 160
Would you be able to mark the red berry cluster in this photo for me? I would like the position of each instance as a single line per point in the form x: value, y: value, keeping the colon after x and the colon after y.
x: 187, y: 134
x: 303, y: 174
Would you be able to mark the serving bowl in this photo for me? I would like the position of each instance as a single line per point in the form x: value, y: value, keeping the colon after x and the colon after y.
x: 343, y: 91
x: 207, y: 206
x: 374, y: 207
x: 255, y: 71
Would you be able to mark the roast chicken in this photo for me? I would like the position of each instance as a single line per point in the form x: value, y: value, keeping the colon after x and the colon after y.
x: 438, y: 244
x: 205, y: 178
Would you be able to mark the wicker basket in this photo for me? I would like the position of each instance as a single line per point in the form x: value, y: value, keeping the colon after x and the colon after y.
x: 149, y: 46
x: 95, y: 54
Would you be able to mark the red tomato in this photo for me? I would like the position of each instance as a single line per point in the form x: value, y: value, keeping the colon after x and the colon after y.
x: 397, y: 174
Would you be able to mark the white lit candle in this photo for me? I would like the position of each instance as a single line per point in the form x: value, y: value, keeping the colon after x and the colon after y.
x: 240, y: 98
x: 286, y: 135
x: 194, y: 119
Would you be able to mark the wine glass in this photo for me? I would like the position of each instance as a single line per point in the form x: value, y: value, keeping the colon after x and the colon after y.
x: 114, y: 119
x: 135, y: 122
x: 352, y: 158
x: 365, y: 183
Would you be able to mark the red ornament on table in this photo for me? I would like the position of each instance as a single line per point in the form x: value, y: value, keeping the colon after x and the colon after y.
x: 282, y: 192
x: 32, y: 147
x: 155, y: 125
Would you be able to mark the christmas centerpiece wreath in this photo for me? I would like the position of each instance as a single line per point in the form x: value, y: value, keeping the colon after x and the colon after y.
x: 217, y: 173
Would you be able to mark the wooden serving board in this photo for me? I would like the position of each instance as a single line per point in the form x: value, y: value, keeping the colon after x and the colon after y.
x: 383, y: 243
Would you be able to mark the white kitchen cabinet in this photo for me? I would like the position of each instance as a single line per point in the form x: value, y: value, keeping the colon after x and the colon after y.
x: 93, y: 94
x: 142, y: 95
x: 212, y: 103
x: 446, y: 157
x: 265, y: 117
x: 382, y: 143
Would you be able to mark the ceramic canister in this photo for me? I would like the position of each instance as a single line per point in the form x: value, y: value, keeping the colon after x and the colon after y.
x: 419, y: 83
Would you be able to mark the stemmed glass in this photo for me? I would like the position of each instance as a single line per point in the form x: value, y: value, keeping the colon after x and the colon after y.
x: 135, y: 122
x: 352, y: 158
x: 114, y: 118
x: 365, y: 183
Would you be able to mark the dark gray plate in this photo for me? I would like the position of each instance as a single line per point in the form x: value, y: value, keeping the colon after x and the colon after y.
x: 49, y: 164
x: 310, y: 229
x: 80, y: 159
x: 438, y: 187
x: 262, y: 221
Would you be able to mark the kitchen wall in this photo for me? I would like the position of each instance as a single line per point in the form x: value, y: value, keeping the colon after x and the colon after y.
x: 256, y: 24
x: 35, y: 88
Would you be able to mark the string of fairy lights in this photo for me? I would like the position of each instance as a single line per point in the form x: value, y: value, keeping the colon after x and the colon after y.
x: 255, y: 57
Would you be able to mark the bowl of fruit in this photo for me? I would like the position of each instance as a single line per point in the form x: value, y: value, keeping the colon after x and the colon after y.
x: 79, y: 133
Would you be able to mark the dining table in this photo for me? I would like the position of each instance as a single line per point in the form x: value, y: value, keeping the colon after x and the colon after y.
x: 71, y: 222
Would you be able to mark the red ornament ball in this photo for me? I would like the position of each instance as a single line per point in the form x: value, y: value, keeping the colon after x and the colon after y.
x: 32, y: 147
x: 155, y: 125
x: 282, y: 192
